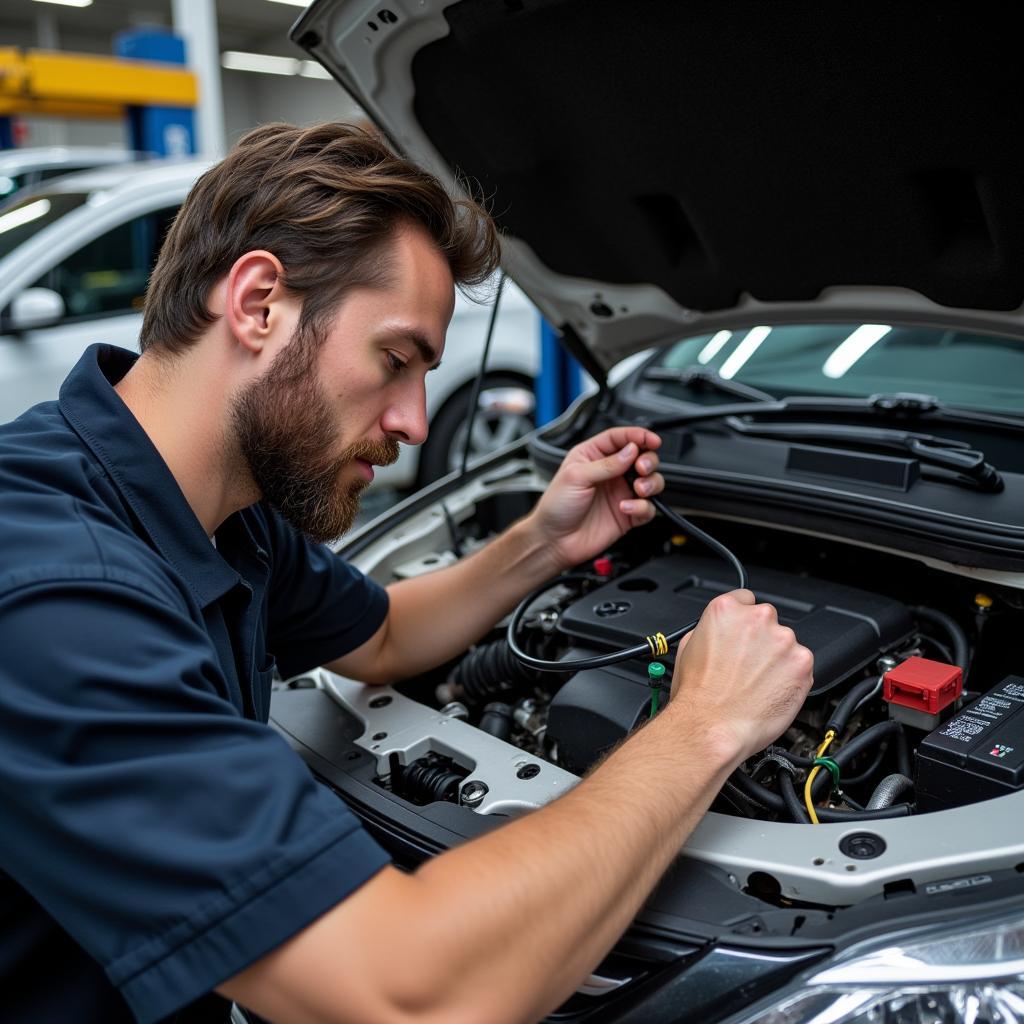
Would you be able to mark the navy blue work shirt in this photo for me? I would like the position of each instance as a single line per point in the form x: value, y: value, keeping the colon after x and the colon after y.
x: 156, y: 835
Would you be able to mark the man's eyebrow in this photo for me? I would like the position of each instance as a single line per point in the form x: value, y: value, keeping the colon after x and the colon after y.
x: 427, y: 351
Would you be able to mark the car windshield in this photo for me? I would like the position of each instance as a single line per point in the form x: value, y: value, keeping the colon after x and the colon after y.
x: 980, y: 371
x: 20, y: 221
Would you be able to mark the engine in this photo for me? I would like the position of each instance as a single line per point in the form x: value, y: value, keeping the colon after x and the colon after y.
x: 845, y: 628
x: 888, y: 728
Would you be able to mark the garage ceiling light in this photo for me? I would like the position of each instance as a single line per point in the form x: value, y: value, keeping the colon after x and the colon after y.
x: 268, y: 64
x: 292, y: 3
x: 713, y: 347
x: 863, y: 339
x: 237, y: 60
x: 743, y: 351
x: 310, y: 69
x: 24, y: 215
x: 67, y: 3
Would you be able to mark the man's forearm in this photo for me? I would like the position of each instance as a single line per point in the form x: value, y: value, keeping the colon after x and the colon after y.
x: 504, y: 928
x: 436, y: 616
x: 581, y: 869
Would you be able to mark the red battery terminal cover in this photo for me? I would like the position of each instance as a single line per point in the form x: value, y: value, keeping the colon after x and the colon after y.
x: 923, y: 685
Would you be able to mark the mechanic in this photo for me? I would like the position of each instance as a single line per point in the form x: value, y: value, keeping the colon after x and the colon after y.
x: 164, y: 850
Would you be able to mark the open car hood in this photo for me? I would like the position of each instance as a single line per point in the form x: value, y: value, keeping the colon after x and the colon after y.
x: 662, y: 169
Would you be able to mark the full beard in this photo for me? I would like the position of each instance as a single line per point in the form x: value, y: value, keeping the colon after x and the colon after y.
x: 285, y: 432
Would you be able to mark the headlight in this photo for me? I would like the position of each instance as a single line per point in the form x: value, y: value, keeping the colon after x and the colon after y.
x: 965, y: 977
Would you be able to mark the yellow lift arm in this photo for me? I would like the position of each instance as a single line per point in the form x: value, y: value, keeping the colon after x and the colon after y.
x: 83, y: 85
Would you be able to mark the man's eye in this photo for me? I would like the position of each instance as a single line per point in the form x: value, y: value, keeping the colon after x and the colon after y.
x: 395, y: 364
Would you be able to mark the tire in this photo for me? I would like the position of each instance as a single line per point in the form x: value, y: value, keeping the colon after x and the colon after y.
x: 442, y: 451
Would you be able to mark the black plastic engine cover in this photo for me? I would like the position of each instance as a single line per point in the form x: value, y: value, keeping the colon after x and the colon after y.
x: 596, y: 709
x: 846, y: 628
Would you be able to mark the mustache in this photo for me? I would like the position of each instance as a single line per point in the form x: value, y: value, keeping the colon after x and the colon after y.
x: 380, y: 453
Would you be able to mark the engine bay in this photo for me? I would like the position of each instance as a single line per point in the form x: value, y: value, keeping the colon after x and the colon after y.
x: 915, y: 676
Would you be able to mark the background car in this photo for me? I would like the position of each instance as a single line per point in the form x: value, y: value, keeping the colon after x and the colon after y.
x: 75, y: 256
x: 812, y: 219
x: 33, y: 165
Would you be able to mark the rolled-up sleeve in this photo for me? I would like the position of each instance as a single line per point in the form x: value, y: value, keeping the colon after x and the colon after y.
x: 173, y: 839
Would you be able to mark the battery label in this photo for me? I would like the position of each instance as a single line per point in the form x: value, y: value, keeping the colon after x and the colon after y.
x: 989, y: 710
x: 963, y: 728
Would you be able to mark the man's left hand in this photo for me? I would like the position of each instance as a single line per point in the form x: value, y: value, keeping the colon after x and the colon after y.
x: 589, y: 504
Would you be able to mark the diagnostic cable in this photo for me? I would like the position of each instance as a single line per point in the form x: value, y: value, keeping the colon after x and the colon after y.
x: 651, y: 646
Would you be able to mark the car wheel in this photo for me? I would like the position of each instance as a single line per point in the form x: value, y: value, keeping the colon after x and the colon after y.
x: 506, y: 414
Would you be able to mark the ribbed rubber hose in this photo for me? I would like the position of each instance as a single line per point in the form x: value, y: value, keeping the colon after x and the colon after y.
x: 888, y: 789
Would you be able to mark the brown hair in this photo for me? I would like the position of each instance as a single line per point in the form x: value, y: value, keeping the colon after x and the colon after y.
x: 324, y: 200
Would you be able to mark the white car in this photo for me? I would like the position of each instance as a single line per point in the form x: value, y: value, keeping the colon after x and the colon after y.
x: 75, y: 256
x: 33, y: 165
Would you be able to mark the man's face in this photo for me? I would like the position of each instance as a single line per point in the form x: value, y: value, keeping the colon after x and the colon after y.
x: 313, y: 425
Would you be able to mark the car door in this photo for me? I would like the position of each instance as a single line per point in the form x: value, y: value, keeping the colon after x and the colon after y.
x: 102, y: 284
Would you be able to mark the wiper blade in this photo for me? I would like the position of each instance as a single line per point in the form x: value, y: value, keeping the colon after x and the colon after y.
x: 945, y: 453
x: 705, y: 378
x: 898, y: 406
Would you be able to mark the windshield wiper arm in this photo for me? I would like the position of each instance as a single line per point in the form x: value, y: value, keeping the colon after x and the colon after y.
x: 705, y: 378
x: 945, y: 453
x: 896, y: 406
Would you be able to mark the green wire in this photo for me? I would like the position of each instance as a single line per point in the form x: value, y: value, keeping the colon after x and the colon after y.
x: 827, y: 762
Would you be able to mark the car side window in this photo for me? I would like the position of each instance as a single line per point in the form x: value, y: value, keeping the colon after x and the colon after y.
x: 109, y: 274
x: 48, y: 173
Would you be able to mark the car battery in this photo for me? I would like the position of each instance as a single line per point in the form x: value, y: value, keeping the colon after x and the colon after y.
x: 977, y: 754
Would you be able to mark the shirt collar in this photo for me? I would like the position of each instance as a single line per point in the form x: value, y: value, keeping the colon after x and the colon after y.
x: 106, y: 425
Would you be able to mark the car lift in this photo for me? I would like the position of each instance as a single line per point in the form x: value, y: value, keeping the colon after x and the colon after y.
x: 146, y: 83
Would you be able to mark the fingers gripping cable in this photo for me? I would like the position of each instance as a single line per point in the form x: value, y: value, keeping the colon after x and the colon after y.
x: 653, y: 646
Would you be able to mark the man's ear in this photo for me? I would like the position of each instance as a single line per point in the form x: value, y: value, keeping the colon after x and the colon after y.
x: 254, y: 298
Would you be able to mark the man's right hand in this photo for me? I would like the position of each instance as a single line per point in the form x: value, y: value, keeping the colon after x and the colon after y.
x: 741, y: 674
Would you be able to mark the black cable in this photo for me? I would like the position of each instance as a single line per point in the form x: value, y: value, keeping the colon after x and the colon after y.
x: 772, y: 801
x: 903, y: 754
x: 755, y: 791
x: 453, y: 532
x: 944, y: 652
x: 845, y: 754
x: 856, y: 780
x: 739, y: 800
x: 796, y: 809
x: 961, y: 647
x: 845, y: 708
x: 637, y: 650
x: 826, y: 814
x: 479, y: 383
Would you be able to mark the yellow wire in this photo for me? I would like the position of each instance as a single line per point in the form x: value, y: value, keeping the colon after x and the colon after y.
x: 829, y: 737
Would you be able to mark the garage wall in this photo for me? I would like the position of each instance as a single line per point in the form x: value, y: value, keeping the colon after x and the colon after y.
x: 251, y: 99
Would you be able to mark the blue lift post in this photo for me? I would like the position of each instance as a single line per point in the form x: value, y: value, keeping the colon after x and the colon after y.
x: 161, y: 131
x: 560, y: 379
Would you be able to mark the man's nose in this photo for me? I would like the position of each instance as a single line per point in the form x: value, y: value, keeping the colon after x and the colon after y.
x: 406, y: 421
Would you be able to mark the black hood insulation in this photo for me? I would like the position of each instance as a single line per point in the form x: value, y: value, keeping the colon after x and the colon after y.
x: 717, y: 148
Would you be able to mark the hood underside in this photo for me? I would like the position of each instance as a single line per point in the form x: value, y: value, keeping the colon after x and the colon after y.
x: 663, y: 167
